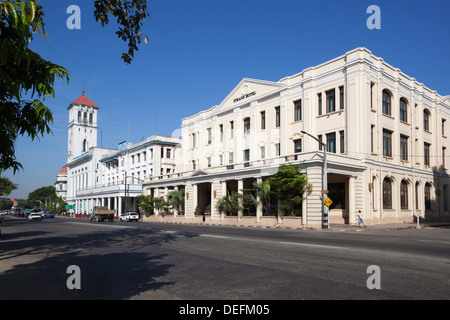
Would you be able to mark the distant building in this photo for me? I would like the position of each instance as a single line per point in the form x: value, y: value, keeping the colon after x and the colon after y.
x: 61, y: 183
x: 110, y: 177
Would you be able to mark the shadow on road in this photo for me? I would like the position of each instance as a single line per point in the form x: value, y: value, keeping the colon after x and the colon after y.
x: 115, y: 264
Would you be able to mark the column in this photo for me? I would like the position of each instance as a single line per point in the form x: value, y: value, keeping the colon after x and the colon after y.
x: 240, y: 187
x: 194, y: 198
x: 223, y: 186
x: 259, y: 211
x: 119, y: 207
x: 175, y: 211
x: 156, y: 195
x: 351, y: 200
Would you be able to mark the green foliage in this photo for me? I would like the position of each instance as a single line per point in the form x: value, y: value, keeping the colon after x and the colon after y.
x: 26, y: 79
x: 176, y: 199
x: 146, y: 202
x: 229, y: 204
x: 23, y: 73
x: 263, y: 195
x: 6, y: 186
x: 129, y: 14
x: 287, y: 185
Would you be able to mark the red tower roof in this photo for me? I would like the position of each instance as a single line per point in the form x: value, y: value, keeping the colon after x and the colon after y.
x: 63, y: 170
x: 85, y: 101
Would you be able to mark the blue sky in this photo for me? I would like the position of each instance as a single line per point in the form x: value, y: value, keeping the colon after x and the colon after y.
x: 199, y: 50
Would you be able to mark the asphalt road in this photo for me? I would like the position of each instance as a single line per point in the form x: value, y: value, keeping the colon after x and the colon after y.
x: 121, y: 261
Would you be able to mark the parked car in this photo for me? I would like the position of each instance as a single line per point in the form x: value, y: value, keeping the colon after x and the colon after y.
x: 49, y: 215
x: 129, y: 216
x: 34, y: 216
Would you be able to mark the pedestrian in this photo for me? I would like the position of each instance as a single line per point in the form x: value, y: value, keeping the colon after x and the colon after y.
x: 360, y: 220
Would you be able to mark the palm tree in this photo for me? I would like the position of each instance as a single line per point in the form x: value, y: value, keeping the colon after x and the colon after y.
x: 229, y: 204
x: 263, y: 194
x: 176, y: 200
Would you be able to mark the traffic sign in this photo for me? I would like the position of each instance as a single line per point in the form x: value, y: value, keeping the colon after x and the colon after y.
x: 328, y: 202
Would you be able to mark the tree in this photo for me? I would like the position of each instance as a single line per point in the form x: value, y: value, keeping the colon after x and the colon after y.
x: 42, y: 195
x: 287, y: 185
x: 6, y: 186
x: 263, y: 194
x: 146, y: 202
x: 229, y: 204
x: 176, y: 199
x: 27, y: 79
x: 130, y: 15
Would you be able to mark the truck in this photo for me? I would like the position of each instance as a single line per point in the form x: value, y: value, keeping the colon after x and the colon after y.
x: 101, y: 214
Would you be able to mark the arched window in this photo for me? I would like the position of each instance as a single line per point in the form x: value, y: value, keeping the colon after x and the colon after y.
x: 387, y: 194
x: 91, y: 117
x: 79, y: 116
x: 427, y: 196
x: 404, y: 194
x: 84, y: 145
x: 403, y: 110
x: 85, y: 117
x: 386, y: 102
x: 426, y: 120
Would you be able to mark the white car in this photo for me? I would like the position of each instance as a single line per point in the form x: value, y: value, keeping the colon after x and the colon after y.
x: 34, y: 216
x: 129, y: 216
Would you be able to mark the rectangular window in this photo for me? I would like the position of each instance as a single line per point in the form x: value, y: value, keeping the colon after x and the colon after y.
x: 246, y: 125
x: 162, y: 153
x: 444, y: 149
x: 208, y: 132
x: 342, y: 141
x: 247, y: 155
x: 168, y: 153
x: 443, y: 127
x: 221, y: 159
x: 403, y: 147
x: 331, y: 142
x: 298, y: 110
x: 263, y: 120
x: 231, y: 129
x: 230, y: 158
x: 331, y: 101
x: 387, y: 143
x: 319, y: 103
x: 298, y: 146
x: 277, y: 149
x: 209, y: 161
x: 263, y: 152
x: 372, y: 137
x: 277, y: 117
x: 194, y: 145
x: 426, y: 153
x: 341, y: 97
x: 320, y: 139
x: 372, y: 85
x: 221, y: 131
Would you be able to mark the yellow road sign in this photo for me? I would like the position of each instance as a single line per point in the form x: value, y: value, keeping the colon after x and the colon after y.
x: 328, y: 202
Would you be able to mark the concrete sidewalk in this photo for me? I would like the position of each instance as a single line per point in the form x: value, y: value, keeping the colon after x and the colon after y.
x: 389, y: 226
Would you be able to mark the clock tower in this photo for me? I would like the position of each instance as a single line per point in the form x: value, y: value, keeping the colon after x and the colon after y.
x: 82, y: 130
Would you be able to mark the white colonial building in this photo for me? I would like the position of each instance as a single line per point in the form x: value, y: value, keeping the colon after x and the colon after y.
x: 61, y: 183
x: 111, y: 177
x: 387, y: 138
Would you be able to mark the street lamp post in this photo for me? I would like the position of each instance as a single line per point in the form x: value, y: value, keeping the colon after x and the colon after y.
x: 325, y: 224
